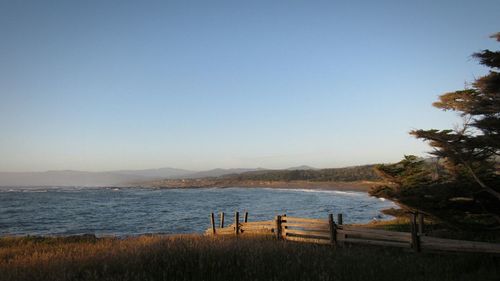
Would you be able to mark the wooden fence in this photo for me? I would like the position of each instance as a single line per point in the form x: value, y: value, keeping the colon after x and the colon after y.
x: 330, y: 232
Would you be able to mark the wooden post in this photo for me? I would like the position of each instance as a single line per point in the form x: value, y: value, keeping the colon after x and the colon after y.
x: 421, y: 228
x: 236, y: 223
x: 278, y: 227
x: 415, y: 239
x: 246, y: 217
x: 212, y: 220
x: 221, y: 219
x: 340, y: 237
x: 333, y: 230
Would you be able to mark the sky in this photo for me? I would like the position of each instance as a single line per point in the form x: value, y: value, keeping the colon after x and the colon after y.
x: 105, y: 85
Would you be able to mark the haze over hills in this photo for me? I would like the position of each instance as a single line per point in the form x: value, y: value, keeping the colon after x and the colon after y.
x: 219, y: 172
x: 65, y: 178
x: 303, y: 167
x: 354, y: 177
x: 132, y: 177
x: 156, y: 173
x: 109, y: 178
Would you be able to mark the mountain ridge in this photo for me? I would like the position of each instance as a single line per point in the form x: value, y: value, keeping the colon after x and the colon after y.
x: 65, y: 178
x: 110, y: 178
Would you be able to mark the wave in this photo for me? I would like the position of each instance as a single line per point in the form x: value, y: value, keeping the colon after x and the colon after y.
x: 305, y: 190
x: 36, y: 190
x: 48, y: 188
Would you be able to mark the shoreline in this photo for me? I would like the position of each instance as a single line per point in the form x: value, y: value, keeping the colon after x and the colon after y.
x: 361, y: 186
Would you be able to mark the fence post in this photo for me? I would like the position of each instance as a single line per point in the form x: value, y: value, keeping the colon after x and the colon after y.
x: 340, y: 237
x: 236, y: 223
x: 278, y: 227
x: 421, y: 228
x: 212, y: 221
x: 333, y: 230
x: 415, y: 239
x: 221, y: 219
x: 246, y: 217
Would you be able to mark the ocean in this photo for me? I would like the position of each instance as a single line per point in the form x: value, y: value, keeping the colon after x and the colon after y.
x: 133, y: 211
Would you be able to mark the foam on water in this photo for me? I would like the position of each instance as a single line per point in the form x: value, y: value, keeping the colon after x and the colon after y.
x: 347, y: 193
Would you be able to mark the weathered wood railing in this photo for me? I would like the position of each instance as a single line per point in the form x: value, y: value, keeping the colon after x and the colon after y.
x: 329, y: 232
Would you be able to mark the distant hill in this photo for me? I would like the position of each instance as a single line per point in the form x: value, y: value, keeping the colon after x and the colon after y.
x: 66, y: 178
x: 303, y: 167
x: 132, y: 177
x: 109, y: 178
x: 218, y: 173
x: 358, y: 177
x: 83, y: 178
x: 156, y: 173
x: 356, y: 173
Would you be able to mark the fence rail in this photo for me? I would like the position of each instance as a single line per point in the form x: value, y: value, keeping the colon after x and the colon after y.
x: 330, y: 232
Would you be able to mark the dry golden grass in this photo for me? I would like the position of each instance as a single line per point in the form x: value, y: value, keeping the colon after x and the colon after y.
x: 437, y: 229
x: 203, y: 258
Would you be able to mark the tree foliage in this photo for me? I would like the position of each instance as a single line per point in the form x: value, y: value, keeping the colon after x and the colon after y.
x: 467, y: 165
x: 409, y: 173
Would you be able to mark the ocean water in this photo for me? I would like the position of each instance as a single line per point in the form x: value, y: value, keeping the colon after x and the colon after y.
x: 134, y: 211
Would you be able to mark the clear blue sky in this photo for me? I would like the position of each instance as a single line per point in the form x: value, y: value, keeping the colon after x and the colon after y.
x: 103, y: 85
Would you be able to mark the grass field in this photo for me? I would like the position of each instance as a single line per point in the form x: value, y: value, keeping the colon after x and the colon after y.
x: 204, y: 258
